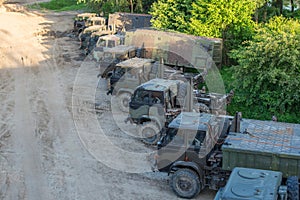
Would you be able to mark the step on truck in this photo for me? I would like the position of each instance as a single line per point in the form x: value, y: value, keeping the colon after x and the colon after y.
x: 200, y: 150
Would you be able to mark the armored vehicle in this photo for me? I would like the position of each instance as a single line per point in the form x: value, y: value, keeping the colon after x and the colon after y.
x: 248, y: 184
x: 200, y: 150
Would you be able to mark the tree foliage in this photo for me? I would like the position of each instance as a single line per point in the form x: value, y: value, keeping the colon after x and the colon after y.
x: 110, y: 6
x: 171, y: 14
x: 268, y: 71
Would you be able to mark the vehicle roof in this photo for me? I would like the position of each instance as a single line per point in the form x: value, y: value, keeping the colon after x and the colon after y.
x: 192, y: 121
x: 120, y: 49
x: 135, y: 63
x: 266, y: 136
x: 158, y: 84
x: 86, y: 14
x: 244, y: 183
x: 112, y: 37
x: 97, y: 19
x: 93, y: 28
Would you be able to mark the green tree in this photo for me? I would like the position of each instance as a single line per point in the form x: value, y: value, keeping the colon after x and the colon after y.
x: 268, y: 71
x: 110, y: 6
x: 171, y: 14
x: 231, y: 20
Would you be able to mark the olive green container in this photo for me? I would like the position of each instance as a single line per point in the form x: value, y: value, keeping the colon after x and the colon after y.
x: 264, y: 145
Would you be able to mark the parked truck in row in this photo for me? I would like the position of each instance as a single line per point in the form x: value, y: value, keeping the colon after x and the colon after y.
x: 155, y: 103
x: 200, y: 150
x: 177, y: 49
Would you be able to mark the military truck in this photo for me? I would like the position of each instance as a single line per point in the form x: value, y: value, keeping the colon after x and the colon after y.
x: 112, y: 56
x: 117, y: 23
x: 127, y: 75
x: 248, y: 184
x: 80, y: 21
x: 176, y: 49
x: 105, y: 42
x: 93, y: 24
x: 200, y: 150
x: 122, y: 22
x: 175, y: 96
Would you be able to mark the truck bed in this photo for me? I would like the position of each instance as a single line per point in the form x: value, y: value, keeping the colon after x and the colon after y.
x: 264, y: 145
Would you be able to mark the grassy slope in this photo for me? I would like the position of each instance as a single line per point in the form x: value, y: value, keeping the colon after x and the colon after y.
x: 59, y: 5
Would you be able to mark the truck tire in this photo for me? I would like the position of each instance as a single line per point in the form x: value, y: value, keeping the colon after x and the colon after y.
x: 149, y: 132
x: 292, y: 188
x: 123, y: 101
x: 185, y: 183
x: 203, y: 108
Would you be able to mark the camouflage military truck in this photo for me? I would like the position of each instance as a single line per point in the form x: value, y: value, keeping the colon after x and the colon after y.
x: 175, y: 96
x: 112, y: 56
x: 176, y: 49
x: 92, y: 25
x: 154, y: 104
x: 127, y: 75
x: 80, y: 21
x: 116, y: 23
x: 121, y: 21
x: 200, y: 150
x: 248, y: 183
x: 104, y: 43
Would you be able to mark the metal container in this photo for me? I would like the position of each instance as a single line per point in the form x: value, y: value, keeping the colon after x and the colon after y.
x: 249, y: 184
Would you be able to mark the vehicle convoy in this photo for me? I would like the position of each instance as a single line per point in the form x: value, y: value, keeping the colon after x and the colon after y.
x: 200, y: 150
x: 117, y: 23
x: 248, y: 184
x: 174, y: 97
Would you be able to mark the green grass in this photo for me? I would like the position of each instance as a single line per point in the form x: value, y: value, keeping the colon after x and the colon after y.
x: 59, y: 5
x: 253, y: 112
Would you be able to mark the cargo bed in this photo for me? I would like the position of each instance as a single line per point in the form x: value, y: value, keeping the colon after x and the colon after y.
x: 264, y: 145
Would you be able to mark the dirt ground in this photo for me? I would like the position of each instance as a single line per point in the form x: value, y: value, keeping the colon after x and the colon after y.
x: 53, y: 145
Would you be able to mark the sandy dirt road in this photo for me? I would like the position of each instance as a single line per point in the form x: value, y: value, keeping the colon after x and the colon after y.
x: 49, y: 148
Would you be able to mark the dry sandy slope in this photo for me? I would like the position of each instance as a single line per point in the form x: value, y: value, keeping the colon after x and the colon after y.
x: 41, y: 154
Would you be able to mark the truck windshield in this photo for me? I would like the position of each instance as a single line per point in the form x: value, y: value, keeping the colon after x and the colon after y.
x: 102, y: 43
x: 111, y: 43
x: 141, y: 96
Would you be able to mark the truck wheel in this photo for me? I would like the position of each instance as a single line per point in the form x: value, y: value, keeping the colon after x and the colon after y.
x: 123, y: 101
x: 292, y: 188
x: 185, y: 183
x: 150, y: 133
x: 203, y: 108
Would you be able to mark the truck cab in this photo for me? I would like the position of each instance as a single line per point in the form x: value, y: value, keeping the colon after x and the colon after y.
x: 153, y: 105
x: 106, y: 42
x: 212, y: 146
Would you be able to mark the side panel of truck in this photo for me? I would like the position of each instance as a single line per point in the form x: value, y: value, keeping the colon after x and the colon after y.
x: 277, y: 152
x: 176, y: 48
